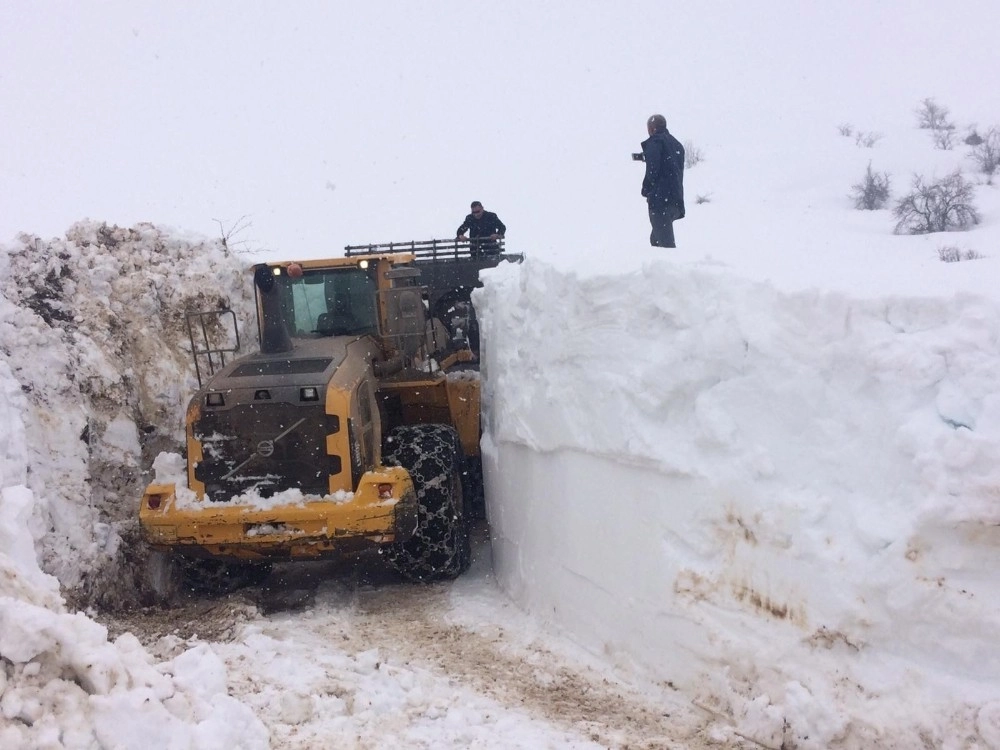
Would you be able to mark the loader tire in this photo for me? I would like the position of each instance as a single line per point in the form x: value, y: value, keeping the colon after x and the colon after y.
x: 163, y: 577
x: 439, y: 548
x: 209, y: 576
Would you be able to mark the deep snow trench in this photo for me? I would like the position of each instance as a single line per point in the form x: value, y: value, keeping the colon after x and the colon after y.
x: 96, y: 375
x: 768, y: 517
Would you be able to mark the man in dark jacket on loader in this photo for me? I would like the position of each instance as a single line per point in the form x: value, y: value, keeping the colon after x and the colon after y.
x: 484, y: 228
x: 663, y: 185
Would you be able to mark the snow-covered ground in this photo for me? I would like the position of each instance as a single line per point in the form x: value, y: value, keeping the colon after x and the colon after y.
x: 755, y: 478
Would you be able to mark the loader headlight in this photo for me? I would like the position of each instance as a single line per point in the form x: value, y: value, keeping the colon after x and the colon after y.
x: 215, y: 399
x: 309, y: 393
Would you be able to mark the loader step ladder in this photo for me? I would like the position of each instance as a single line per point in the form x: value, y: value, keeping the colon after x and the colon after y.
x: 214, y: 356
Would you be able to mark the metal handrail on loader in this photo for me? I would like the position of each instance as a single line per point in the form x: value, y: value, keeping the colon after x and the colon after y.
x: 432, y: 250
x: 448, y: 272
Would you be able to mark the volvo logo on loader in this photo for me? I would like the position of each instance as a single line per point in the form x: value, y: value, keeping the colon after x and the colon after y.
x: 265, y: 448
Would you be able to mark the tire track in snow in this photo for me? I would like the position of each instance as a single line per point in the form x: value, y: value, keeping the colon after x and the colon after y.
x: 356, y: 608
x: 410, y: 624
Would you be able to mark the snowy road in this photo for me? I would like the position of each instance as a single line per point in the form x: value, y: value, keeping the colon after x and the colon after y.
x: 349, y: 656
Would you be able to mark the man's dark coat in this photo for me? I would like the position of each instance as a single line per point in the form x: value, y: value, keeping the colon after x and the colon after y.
x: 664, y: 180
x: 487, y: 224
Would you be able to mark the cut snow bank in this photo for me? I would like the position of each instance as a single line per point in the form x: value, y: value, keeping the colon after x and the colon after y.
x: 785, y: 504
x: 91, y: 328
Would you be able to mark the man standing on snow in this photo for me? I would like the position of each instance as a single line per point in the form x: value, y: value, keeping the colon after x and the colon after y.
x: 663, y: 185
x: 484, y: 228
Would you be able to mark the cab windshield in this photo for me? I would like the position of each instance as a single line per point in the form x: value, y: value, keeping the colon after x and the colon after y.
x: 331, y: 302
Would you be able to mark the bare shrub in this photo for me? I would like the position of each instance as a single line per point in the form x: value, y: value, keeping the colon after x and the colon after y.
x: 953, y: 254
x: 866, y: 140
x: 933, y: 116
x: 872, y: 192
x: 943, y: 139
x: 692, y: 155
x: 940, y: 206
x: 950, y: 253
x: 228, y: 234
x: 986, y: 154
x: 845, y: 129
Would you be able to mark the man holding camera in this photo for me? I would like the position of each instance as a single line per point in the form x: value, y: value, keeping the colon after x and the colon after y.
x: 484, y: 228
x: 663, y: 184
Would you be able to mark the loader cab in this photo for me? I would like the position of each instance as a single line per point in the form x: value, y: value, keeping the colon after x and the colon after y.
x: 333, y: 302
x: 377, y: 295
x: 321, y: 302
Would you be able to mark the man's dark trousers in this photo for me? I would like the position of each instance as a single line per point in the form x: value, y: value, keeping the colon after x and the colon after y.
x: 661, y: 218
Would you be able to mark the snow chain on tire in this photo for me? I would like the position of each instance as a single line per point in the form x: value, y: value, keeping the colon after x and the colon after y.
x: 439, y: 548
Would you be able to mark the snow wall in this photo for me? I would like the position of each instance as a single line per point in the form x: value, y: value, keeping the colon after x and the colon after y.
x: 93, y: 329
x: 95, y: 369
x: 785, y: 505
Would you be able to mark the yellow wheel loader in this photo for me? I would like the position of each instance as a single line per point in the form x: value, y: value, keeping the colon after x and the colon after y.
x: 355, y: 426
